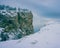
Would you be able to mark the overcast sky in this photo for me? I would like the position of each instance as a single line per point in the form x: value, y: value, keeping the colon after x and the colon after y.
x: 46, y: 8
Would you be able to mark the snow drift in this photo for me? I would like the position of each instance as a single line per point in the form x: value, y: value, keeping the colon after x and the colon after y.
x: 47, y: 37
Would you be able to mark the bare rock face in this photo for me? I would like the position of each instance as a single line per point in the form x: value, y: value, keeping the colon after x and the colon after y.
x: 16, y: 24
x: 25, y: 21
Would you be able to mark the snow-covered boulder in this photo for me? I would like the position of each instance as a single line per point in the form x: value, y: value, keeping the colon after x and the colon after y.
x: 13, y: 21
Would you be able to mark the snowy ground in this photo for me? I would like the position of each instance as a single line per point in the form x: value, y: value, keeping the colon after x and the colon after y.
x: 47, y: 37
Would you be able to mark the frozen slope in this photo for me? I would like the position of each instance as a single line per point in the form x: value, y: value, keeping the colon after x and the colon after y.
x: 47, y: 37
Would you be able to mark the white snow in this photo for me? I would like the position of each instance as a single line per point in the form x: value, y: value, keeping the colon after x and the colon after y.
x: 1, y: 29
x: 47, y: 37
x: 10, y: 13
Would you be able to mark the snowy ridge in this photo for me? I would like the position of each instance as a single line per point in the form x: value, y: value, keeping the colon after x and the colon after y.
x: 47, y: 37
x: 13, y: 13
x: 9, y: 12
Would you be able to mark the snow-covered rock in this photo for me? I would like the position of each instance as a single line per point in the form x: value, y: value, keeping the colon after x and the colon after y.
x: 1, y: 29
x: 47, y: 37
x: 13, y: 20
